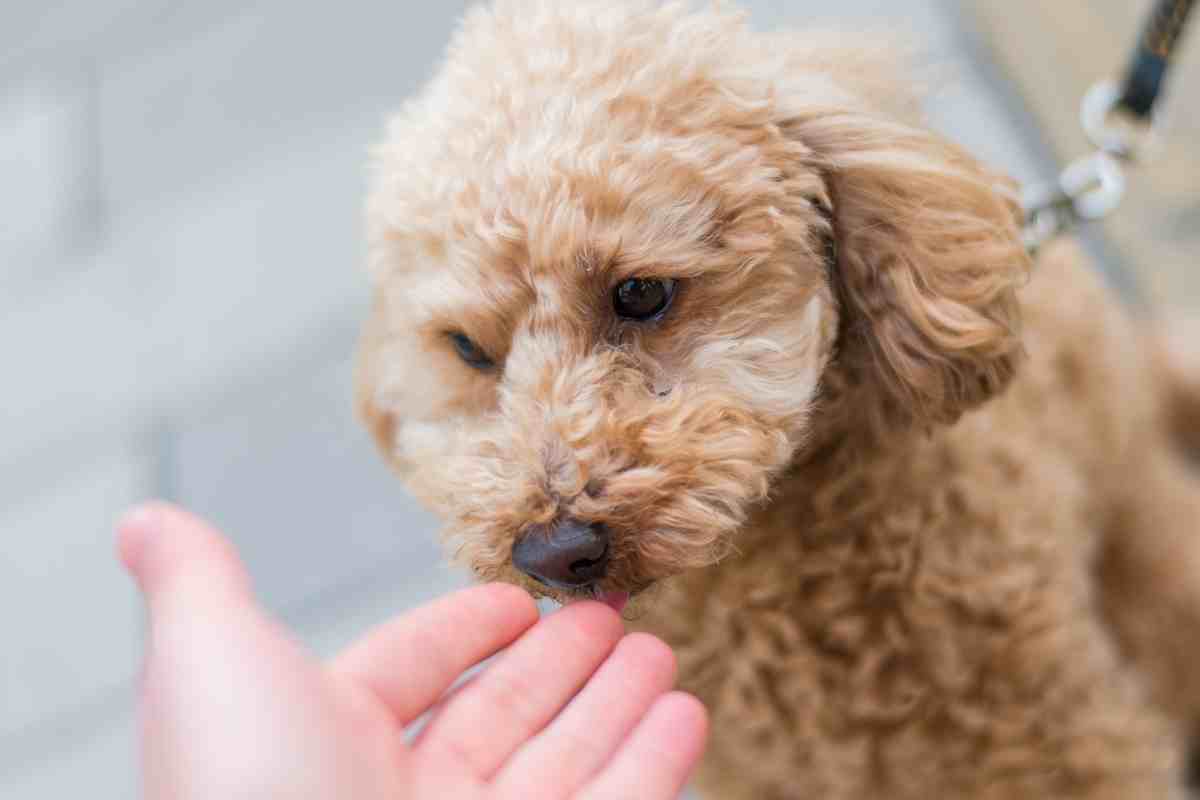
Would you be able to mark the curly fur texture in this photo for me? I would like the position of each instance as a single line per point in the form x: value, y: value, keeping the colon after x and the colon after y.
x: 911, y: 520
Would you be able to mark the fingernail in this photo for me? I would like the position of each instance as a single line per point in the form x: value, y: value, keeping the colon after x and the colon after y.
x: 143, y: 516
x: 134, y: 530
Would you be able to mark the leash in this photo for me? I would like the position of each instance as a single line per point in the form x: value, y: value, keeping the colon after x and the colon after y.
x: 1120, y: 122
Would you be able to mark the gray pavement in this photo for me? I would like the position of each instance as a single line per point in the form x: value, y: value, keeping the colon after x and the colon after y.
x: 180, y: 259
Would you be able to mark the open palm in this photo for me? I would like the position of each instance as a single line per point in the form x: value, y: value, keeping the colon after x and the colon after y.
x: 233, y: 707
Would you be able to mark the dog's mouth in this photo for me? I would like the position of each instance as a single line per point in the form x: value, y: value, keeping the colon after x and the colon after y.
x: 614, y: 600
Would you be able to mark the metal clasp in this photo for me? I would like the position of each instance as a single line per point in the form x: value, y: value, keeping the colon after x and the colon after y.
x: 1092, y: 186
x: 1089, y: 188
x: 1114, y: 131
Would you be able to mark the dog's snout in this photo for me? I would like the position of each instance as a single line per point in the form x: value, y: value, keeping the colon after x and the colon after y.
x: 568, y: 555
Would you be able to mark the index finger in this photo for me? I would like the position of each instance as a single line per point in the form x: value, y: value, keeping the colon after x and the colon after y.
x: 409, y: 662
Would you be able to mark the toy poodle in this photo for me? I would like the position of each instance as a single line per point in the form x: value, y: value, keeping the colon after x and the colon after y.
x: 673, y: 310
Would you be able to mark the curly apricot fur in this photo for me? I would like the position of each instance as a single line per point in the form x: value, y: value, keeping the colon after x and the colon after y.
x: 912, y: 521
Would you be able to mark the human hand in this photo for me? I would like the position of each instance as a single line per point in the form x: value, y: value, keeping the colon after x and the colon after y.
x: 233, y: 707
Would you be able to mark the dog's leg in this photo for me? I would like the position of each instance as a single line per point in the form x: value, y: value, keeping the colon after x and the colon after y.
x: 1149, y: 575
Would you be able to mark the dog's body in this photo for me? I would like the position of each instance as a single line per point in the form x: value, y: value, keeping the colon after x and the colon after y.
x: 890, y: 568
x: 1007, y: 607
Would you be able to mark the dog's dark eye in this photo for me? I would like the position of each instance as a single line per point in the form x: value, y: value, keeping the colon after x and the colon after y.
x: 643, y: 298
x: 470, y: 352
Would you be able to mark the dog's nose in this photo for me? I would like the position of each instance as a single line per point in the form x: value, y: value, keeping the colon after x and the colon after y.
x: 571, y: 554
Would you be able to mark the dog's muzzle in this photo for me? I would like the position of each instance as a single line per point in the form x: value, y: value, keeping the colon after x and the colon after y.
x: 566, y: 555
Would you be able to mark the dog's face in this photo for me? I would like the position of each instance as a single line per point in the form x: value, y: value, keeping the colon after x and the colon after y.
x: 607, y: 294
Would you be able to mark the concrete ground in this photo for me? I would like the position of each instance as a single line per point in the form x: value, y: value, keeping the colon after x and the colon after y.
x: 180, y: 257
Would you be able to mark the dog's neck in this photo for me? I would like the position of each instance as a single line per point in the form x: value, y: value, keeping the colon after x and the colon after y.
x: 849, y: 434
x: 848, y: 414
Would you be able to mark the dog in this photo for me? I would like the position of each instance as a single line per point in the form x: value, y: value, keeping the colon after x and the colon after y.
x: 669, y: 309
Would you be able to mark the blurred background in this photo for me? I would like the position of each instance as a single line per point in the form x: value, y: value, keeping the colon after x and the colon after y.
x: 181, y: 280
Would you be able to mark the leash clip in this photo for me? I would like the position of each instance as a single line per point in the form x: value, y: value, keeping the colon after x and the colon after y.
x: 1113, y: 129
x: 1089, y: 188
x: 1121, y: 123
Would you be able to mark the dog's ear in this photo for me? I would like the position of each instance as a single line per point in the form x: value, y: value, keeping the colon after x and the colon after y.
x: 928, y: 259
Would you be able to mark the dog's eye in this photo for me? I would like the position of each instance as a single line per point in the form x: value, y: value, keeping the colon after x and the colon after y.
x: 470, y: 352
x: 643, y: 298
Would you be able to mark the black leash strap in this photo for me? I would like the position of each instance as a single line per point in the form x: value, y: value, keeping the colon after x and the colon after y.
x: 1120, y: 121
x: 1144, y: 76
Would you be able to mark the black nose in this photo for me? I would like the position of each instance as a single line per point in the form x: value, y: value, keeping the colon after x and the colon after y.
x: 568, y: 555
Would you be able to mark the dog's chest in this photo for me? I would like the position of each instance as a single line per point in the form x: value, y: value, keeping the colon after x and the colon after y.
x: 888, y: 641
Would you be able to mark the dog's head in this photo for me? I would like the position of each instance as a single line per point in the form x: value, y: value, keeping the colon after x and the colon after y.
x: 620, y: 254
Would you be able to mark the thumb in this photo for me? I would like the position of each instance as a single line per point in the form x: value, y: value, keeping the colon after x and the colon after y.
x: 175, y: 556
x: 231, y: 706
x: 210, y: 665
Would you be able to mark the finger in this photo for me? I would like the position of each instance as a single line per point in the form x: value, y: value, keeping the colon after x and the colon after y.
x: 409, y: 662
x: 170, y: 553
x: 576, y: 744
x: 660, y: 755
x: 515, y: 697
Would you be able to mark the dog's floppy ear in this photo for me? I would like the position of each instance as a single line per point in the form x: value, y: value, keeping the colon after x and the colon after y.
x: 928, y: 259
